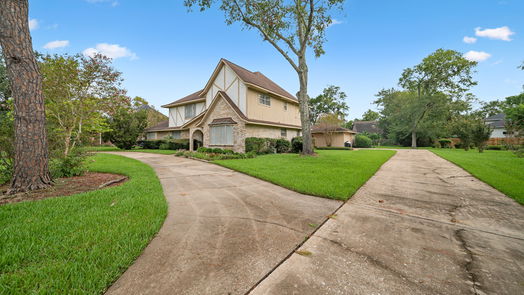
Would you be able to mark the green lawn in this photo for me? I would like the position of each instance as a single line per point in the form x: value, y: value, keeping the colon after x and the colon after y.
x: 115, y: 149
x: 332, y: 174
x: 80, y: 244
x: 501, y: 169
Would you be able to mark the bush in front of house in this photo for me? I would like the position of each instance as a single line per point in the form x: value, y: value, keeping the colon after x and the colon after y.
x: 164, y: 144
x: 495, y: 147
x: 282, y: 145
x: 211, y: 154
x: 296, y: 144
x: 263, y: 145
x: 362, y: 141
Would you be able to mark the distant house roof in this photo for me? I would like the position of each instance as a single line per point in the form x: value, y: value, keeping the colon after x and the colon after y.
x: 317, y: 129
x: 256, y: 79
x: 162, y: 126
x: 366, y: 126
x: 496, y: 121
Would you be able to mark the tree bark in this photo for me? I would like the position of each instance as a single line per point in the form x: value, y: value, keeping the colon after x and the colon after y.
x: 413, y: 139
x: 307, y: 148
x: 31, y: 169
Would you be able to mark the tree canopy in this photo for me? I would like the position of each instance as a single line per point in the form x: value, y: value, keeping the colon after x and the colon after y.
x: 331, y: 101
x: 370, y: 115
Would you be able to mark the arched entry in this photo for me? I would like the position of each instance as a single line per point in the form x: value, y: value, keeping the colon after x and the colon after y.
x: 197, y: 139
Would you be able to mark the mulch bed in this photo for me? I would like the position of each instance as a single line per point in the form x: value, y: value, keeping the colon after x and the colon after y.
x: 65, y: 187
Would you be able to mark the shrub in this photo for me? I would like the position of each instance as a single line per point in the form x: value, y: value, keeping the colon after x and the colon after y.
x: 495, y: 147
x: 68, y: 166
x: 296, y: 144
x: 261, y: 145
x: 163, y: 146
x: 176, y: 144
x: 444, y: 142
x: 126, y: 126
x: 282, y: 145
x: 362, y: 141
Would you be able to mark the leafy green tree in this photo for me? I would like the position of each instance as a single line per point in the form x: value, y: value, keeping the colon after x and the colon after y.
x: 348, y: 124
x: 125, y: 128
x: 491, y: 108
x: 5, y: 89
x: 370, y: 115
x: 514, y: 110
x: 481, y: 133
x: 331, y: 101
x: 443, y: 75
x: 79, y: 91
x: 291, y: 27
x: 463, y: 127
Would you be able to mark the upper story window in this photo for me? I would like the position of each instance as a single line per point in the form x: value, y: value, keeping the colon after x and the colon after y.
x: 264, y: 99
x: 190, y: 111
x: 285, y: 106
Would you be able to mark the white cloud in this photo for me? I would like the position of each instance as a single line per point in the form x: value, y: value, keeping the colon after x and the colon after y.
x: 56, y: 44
x: 113, y: 51
x: 33, y: 24
x: 469, y: 40
x: 502, y: 33
x: 334, y: 22
x: 476, y: 55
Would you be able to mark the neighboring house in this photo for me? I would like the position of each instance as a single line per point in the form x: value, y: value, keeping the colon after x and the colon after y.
x: 234, y: 104
x: 497, y: 122
x: 366, y: 127
x: 339, y: 137
x: 154, y: 117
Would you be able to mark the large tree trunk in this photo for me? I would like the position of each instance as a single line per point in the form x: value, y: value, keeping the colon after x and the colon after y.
x: 413, y: 139
x: 307, y: 148
x: 31, y: 153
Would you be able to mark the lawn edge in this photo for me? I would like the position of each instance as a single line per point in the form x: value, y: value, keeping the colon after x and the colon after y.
x: 461, y: 167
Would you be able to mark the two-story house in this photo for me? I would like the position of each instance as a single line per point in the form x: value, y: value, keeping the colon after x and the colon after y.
x: 234, y: 104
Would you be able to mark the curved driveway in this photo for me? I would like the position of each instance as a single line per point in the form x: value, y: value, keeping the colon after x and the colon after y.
x: 224, y: 231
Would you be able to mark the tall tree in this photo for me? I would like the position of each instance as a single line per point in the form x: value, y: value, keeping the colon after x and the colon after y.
x: 331, y: 101
x: 444, y: 72
x: 291, y: 27
x: 370, y: 115
x: 491, y: 108
x: 31, y: 169
x: 78, y: 91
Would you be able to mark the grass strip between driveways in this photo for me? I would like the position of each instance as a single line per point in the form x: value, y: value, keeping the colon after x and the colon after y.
x: 80, y: 244
x: 115, y: 149
x: 334, y: 174
x: 501, y: 169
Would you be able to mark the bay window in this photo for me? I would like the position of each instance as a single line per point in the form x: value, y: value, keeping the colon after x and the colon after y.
x: 221, y: 135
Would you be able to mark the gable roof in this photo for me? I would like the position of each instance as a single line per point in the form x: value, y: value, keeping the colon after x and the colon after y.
x: 366, y: 126
x: 240, y: 114
x: 497, y: 120
x: 186, y: 99
x: 258, y: 79
x: 162, y: 126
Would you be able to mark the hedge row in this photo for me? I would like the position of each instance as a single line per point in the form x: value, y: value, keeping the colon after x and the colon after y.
x: 164, y: 144
x: 262, y: 145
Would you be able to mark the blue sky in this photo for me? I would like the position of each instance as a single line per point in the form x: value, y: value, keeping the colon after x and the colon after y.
x: 166, y: 52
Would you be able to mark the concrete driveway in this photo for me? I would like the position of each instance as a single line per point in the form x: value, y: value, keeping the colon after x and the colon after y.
x: 421, y: 225
x: 224, y: 231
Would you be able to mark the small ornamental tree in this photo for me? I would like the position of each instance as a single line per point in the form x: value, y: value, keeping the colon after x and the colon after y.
x: 328, y: 125
x: 291, y: 27
x: 463, y: 127
x: 480, y: 134
x: 126, y: 126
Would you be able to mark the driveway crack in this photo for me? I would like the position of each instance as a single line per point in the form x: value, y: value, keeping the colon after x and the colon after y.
x: 459, y: 235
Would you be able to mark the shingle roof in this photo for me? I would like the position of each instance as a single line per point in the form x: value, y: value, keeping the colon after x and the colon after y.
x: 316, y: 129
x: 192, y: 96
x: 160, y: 126
x: 366, y: 126
x: 220, y: 121
x: 497, y: 121
x: 258, y: 79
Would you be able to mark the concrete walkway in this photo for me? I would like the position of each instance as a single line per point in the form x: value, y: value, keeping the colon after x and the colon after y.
x: 224, y: 231
x: 421, y: 225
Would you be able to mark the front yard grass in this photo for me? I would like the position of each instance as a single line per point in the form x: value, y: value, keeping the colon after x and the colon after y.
x: 80, y: 244
x: 334, y: 174
x: 500, y: 169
